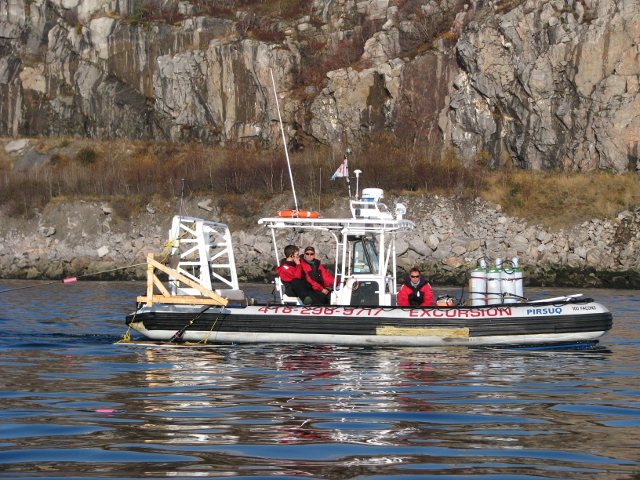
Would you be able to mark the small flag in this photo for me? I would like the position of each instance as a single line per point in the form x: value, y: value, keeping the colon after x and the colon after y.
x: 342, y: 171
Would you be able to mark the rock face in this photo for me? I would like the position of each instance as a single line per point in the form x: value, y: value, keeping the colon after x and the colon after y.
x: 221, y: 94
x: 84, y: 238
x: 552, y: 85
x: 547, y: 84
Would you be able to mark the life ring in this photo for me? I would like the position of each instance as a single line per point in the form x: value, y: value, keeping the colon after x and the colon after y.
x: 352, y: 283
x: 445, y: 301
x: 298, y: 214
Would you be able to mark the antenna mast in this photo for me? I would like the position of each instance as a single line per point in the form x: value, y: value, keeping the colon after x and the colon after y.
x: 346, y: 160
x: 284, y: 140
x: 181, y: 197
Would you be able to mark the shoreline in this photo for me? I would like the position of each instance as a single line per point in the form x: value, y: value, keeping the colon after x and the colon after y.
x: 83, y: 238
x: 579, y: 277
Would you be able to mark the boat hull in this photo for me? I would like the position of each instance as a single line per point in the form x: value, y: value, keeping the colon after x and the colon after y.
x: 510, y: 325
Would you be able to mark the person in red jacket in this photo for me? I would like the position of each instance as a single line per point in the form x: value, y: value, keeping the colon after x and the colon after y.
x: 415, y: 291
x: 319, y: 278
x: 292, y: 275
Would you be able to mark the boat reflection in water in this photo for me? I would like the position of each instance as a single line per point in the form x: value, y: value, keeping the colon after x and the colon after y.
x: 300, y: 395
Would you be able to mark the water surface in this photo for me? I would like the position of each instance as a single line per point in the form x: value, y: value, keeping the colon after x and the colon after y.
x: 75, y: 404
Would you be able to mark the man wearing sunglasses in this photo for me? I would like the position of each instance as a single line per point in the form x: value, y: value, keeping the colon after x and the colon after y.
x: 415, y: 291
x: 293, y: 277
x: 321, y: 280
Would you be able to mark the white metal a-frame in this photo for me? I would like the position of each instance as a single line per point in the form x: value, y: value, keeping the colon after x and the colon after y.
x: 201, y: 251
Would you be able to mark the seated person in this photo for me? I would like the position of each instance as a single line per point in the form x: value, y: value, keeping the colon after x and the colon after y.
x: 319, y: 278
x: 415, y: 291
x: 292, y: 275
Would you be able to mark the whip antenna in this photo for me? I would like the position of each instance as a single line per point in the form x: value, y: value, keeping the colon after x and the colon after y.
x: 181, y: 197
x: 284, y: 140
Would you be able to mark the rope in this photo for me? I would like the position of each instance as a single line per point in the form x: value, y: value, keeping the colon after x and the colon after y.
x: 166, y: 251
x: 127, y: 335
x: 168, y: 245
x: 72, y: 279
x: 29, y: 286
x: 206, y: 337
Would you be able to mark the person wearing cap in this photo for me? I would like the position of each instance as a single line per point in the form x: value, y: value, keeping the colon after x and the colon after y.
x: 415, y: 291
x: 319, y: 278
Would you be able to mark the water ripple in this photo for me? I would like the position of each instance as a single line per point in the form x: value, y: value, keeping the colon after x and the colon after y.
x: 76, y: 405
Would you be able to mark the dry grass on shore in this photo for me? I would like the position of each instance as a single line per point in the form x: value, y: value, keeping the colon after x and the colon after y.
x: 132, y: 174
x: 561, y: 199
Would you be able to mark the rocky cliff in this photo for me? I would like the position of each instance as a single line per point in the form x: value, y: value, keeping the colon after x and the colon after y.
x: 541, y: 84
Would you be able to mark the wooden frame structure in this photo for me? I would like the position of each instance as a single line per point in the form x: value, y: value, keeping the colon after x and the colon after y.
x: 208, y: 298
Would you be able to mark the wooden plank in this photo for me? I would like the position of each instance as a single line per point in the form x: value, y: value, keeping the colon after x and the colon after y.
x: 161, y: 287
x: 206, y: 292
x: 152, y: 344
x: 150, y: 277
x: 179, y: 299
x: 423, y: 332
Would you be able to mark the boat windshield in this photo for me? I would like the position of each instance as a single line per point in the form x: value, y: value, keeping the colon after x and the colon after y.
x: 365, y: 257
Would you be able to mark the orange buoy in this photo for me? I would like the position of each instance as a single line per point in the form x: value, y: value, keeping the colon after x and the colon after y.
x: 298, y: 214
